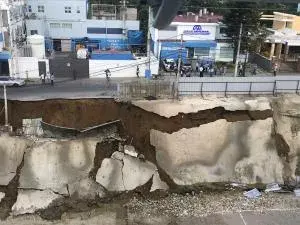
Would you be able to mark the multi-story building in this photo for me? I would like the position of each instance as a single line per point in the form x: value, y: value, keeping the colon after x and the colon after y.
x: 202, y: 38
x: 69, y: 24
x: 284, y: 42
x: 12, y: 31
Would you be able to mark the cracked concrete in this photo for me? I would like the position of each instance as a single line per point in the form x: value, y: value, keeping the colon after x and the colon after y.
x: 122, y: 172
x: 30, y: 201
x: 55, y: 164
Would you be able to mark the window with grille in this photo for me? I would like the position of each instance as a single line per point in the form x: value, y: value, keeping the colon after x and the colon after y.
x: 41, y: 8
x: 202, y: 51
x: 29, y: 8
x: 54, y: 25
x: 226, y: 52
x: 68, y: 9
x: 66, y: 25
x: 33, y: 32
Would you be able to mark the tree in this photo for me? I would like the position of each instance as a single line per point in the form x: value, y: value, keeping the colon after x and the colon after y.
x: 253, y: 32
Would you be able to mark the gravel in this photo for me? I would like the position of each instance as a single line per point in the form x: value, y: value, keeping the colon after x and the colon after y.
x: 203, y: 204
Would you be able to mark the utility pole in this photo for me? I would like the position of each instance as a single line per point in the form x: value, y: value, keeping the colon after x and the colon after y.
x: 179, y: 65
x: 5, y: 106
x: 124, y: 12
x: 149, y: 39
x: 238, y: 50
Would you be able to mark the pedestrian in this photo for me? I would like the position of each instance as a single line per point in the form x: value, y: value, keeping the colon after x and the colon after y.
x: 43, y: 77
x: 201, y: 69
x: 48, y: 77
x: 240, y: 69
x: 197, y: 66
x: 74, y: 74
x: 254, y: 69
x: 52, y: 79
x: 275, y: 69
x: 224, y: 70
x: 107, y: 75
x: 138, y: 71
x: 215, y: 70
x: 211, y: 71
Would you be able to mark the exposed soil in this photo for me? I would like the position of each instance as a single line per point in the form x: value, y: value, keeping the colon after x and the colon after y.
x: 137, y: 123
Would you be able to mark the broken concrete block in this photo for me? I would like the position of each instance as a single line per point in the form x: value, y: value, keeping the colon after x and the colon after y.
x: 32, y: 127
x: 136, y: 172
x: 86, y: 189
x: 158, y: 184
x: 29, y: 201
x: 130, y: 150
x: 55, y: 164
x: 2, y: 195
x: 126, y: 175
x: 110, y: 175
x: 11, y: 154
x: 118, y: 156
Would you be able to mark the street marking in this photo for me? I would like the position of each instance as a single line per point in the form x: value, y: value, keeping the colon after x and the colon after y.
x: 242, y: 218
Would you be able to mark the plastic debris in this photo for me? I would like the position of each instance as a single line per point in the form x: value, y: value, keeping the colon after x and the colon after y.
x: 272, y: 188
x: 297, y: 192
x: 254, y: 193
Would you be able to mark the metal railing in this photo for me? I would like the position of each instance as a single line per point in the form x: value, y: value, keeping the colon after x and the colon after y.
x: 241, y: 87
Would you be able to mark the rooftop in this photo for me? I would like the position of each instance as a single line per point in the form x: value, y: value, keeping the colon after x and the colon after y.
x: 195, y: 18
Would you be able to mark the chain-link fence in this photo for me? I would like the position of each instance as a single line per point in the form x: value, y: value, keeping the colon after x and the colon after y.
x: 152, y: 89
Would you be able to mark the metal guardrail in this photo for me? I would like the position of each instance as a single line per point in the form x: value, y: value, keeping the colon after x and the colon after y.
x: 276, y: 89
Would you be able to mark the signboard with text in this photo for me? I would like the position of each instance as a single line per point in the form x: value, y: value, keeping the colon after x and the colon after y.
x: 197, y: 30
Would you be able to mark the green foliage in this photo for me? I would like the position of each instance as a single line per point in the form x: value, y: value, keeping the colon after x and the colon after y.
x: 253, y: 31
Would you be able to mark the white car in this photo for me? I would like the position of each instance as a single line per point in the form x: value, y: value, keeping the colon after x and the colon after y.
x: 11, y: 82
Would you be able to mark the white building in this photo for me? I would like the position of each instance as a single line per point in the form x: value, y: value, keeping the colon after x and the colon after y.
x: 12, y: 28
x: 203, y: 38
x: 65, y: 25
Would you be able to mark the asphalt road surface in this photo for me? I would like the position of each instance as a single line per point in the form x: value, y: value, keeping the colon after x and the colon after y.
x: 87, y: 88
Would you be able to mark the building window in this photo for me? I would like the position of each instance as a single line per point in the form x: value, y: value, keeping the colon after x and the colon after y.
x: 202, y: 51
x: 29, y: 8
x: 78, y: 10
x: 33, y: 32
x: 54, y: 25
x: 66, y: 25
x: 41, y: 8
x: 223, y: 30
x: 68, y: 9
x: 226, y: 52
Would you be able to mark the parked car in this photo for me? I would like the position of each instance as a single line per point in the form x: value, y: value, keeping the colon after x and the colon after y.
x: 169, y: 65
x: 11, y: 81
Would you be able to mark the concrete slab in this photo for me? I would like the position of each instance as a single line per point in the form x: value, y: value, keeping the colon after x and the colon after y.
x: 55, y: 164
x: 29, y: 201
x: 169, y: 108
x: 220, y: 152
x: 136, y: 172
x: 158, y: 184
x: 272, y: 217
x: 110, y: 175
x: 11, y: 154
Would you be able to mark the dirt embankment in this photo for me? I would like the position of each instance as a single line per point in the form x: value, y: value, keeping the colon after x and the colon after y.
x: 137, y: 122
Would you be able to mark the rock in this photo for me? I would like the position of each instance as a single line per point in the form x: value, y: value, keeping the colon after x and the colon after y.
x: 29, y: 201
x: 158, y: 184
x: 110, y: 175
x: 11, y: 154
x: 136, y: 172
x: 2, y: 195
x: 220, y: 151
x: 130, y: 150
x: 55, y: 164
x: 126, y: 175
x: 86, y: 189
x: 118, y: 156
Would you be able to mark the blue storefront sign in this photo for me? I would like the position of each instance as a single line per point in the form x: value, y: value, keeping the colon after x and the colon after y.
x: 197, y: 30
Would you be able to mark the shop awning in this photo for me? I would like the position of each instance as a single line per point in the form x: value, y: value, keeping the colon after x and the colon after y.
x: 200, y: 44
x: 4, y: 56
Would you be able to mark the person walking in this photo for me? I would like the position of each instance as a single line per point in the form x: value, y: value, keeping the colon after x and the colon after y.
x: 201, y: 69
x: 240, y: 69
x: 52, y: 79
x: 138, y: 72
x: 275, y: 69
x: 211, y: 71
x: 107, y: 75
x: 254, y: 71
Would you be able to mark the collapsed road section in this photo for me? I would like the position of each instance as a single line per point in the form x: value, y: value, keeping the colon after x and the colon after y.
x: 159, y: 145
